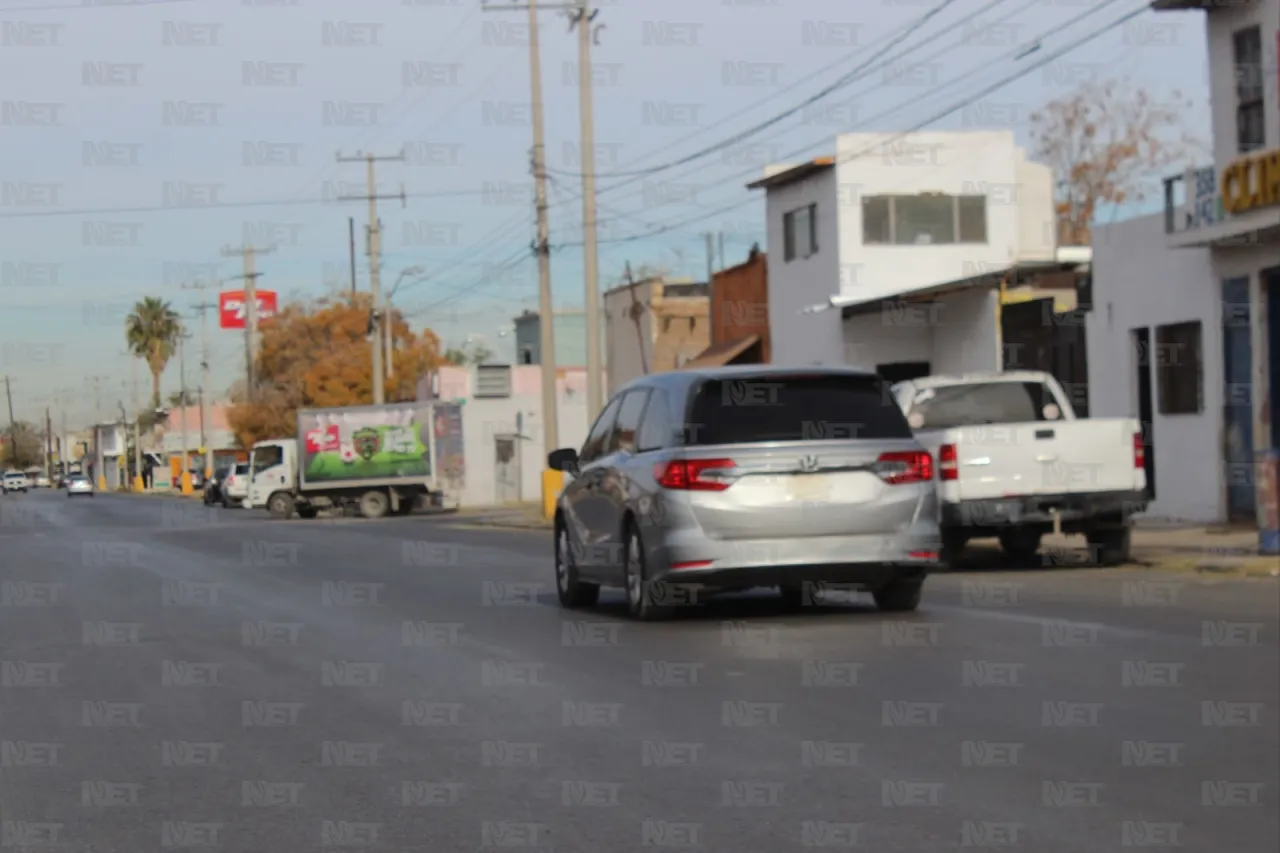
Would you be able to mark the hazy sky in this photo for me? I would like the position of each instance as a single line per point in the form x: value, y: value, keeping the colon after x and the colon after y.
x: 139, y: 139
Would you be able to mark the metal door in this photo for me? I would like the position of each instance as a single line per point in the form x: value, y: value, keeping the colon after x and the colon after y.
x: 1237, y: 365
x: 506, y: 465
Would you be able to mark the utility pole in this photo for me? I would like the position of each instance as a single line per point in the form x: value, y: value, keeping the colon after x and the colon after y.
x: 711, y: 279
x: 250, y: 277
x: 48, y: 444
x: 583, y: 17
x: 185, y: 474
x: 351, y: 250
x: 541, y: 248
x: 375, y: 249
x: 203, y: 307
x: 13, y: 423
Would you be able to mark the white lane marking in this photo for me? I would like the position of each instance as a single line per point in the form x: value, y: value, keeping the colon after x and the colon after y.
x: 1064, y: 624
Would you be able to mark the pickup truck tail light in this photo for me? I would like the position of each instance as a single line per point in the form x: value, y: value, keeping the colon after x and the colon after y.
x: 696, y: 475
x: 948, y: 463
x: 1139, y: 451
x: 912, y: 466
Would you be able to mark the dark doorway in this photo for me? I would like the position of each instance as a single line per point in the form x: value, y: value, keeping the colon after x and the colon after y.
x: 1036, y: 336
x: 1143, y: 360
x: 1237, y: 414
x: 902, y: 371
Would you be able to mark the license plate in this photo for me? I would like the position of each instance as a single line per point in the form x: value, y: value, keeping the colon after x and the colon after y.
x: 812, y: 489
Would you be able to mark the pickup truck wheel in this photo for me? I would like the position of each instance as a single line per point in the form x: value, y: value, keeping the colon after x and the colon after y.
x: 280, y: 505
x: 1020, y: 546
x: 374, y: 504
x: 1110, y: 546
x: 899, y: 596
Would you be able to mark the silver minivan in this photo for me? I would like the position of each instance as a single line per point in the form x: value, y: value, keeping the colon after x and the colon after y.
x: 703, y: 481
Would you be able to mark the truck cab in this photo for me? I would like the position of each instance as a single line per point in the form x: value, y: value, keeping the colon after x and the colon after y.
x: 273, y: 467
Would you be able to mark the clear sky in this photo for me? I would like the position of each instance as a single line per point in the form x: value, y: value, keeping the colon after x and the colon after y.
x: 141, y: 138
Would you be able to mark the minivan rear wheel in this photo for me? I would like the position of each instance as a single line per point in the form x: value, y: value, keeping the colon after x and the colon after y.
x: 899, y: 596
x: 571, y: 591
x: 641, y: 594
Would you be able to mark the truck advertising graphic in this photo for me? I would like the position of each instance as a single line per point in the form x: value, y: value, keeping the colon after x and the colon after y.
x: 366, y: 443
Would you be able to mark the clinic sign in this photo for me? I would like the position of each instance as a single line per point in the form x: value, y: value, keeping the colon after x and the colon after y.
x: 232, y: 310
x: 1251, y: 182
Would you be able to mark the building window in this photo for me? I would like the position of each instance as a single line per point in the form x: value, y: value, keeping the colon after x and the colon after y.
x: 1180, y: 369
x: 1250, y: 130
x: 928, y: 219
x: 800, y: 233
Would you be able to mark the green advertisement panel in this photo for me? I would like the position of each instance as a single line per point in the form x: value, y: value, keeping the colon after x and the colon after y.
x: 367, y: 443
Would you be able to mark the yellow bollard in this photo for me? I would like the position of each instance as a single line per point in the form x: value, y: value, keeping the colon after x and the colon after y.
x: 102, y: 482
x: 552, y: 485
x: 137, y: 484
x: 186, y: 483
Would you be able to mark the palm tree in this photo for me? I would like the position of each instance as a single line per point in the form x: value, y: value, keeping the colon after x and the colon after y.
x: 151, y: 332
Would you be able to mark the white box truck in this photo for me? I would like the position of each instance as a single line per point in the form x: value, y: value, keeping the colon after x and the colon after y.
x: 378, y: 460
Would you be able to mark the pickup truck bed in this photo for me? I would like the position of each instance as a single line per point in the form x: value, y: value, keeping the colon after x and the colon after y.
x: 1023, y: 474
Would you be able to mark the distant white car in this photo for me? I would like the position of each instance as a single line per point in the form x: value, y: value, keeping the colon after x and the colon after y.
x: 79, y: 484
x: 15, y: 481
x: 42, y: 482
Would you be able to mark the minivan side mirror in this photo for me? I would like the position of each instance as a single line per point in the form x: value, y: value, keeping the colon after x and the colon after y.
x: 565, y: 459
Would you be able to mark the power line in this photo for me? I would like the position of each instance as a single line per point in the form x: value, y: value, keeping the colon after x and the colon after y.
x: 701, y: 217
x: 93, y: 4
x: 822, y: 93
x: 222, y: 205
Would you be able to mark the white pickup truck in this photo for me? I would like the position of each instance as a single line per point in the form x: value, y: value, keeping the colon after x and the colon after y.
x: 1014, y: 462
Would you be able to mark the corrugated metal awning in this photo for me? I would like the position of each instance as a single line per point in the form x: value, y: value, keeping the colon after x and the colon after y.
x: 719, y: 355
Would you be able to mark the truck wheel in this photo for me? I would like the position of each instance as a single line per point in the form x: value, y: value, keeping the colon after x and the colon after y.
x: 1020, y: 546
x: 307, y: 512
x: 280, y: 505
x: 374, y: 504
x: 1110, y: 546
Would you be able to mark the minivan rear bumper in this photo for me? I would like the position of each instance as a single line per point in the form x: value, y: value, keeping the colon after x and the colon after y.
x: 1076, y: 511
x: 867, y: 562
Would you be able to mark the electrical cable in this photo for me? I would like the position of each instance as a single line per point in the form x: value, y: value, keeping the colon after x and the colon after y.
x: 999, y: 84
x: 840, y: 83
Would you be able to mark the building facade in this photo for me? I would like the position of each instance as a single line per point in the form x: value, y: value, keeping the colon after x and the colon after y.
x: 654, y: 325
x: 570, y: 330
x: 1182, y: 335
x: 739, y: 314
x: 890, y: 214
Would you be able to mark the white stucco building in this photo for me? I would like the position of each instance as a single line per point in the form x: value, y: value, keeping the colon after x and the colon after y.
x: 1186, y: 304
x: 894, y: 213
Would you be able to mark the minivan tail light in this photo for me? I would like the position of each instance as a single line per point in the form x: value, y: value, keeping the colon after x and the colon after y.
x: 696, y: 475
x: 948, y: 463
x: 910, y: 466
x: 1139, y: 451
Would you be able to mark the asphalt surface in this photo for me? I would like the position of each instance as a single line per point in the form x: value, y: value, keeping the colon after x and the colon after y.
x: 178, y: 676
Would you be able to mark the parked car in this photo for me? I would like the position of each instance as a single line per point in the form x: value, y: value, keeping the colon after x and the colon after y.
x: 738, y: 477
x: 228, y: 486
x: 79, y: 484
x: 42, y: 482
x: 1014, y: 461
x: 15, y: 481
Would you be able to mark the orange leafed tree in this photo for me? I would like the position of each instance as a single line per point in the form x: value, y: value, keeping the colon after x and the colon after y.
x: 318, y: 355
x: 1108, y: 144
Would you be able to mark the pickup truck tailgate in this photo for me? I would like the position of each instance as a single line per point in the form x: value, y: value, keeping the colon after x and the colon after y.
x: 1045, y: 458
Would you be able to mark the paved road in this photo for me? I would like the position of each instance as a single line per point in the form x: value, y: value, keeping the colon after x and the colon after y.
x: 176, y: 676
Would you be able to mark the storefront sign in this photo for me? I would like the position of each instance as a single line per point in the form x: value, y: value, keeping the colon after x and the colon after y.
x: 232, y: 311
x: 1252, y: 182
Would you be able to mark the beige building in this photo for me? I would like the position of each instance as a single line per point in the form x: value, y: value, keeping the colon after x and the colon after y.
x: 652, y: 326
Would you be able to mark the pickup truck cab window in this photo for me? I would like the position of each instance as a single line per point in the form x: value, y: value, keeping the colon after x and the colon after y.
x: 980, y: 403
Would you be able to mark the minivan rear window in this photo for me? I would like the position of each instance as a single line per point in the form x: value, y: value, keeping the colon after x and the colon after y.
x: 799, y: 407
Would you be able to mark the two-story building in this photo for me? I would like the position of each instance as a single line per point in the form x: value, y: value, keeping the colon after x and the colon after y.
x: 897, y: 213
x: 1186, y: 303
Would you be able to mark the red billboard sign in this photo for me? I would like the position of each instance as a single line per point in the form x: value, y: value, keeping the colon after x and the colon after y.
x: 232, y: 312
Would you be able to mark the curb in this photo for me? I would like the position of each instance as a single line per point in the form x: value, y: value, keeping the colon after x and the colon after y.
x: 1252, y: 567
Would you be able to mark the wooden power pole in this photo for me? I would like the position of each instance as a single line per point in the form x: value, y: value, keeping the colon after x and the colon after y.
x: 375, y: 250
x: 250, y: 276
